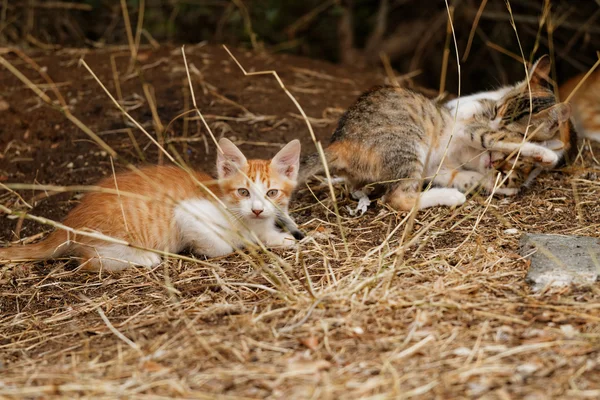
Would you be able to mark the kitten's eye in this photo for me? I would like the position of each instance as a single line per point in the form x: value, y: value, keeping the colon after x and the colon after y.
x: 244, y: 192
x: 272, y: 193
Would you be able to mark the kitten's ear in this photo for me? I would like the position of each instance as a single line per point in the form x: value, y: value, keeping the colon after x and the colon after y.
x: 539, y: 73
x: 287, y: 161
x: 563, y: 111
x: 230, y: 159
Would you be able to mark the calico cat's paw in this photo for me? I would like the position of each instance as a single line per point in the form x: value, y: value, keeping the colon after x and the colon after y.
x: 539, y: 154
x: 507, y: 191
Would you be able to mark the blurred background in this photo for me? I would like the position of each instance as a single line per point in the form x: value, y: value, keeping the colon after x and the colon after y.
x: 413, y: 34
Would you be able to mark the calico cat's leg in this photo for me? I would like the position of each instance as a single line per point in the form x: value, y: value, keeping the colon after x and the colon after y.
x: 464, y: 181
x: 482, y: 137
x: 405, y: 201
x: 536, y: 152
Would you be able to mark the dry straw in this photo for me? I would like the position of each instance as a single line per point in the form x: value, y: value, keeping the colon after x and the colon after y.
x: 341, y: 317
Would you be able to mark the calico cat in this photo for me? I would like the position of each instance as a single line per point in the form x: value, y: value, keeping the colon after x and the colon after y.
x: 166, y: 209
x: 396, y: 138
x: 586, y: 104
x: 512, y: 105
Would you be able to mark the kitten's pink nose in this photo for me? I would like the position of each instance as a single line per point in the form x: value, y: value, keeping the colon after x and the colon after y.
x: 257, y: 212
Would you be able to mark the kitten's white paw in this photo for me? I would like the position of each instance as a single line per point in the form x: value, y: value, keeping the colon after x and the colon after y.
x: 216, y: 248
x: 280, y: 239
x: 507, y: 191
x: 540, y: 154
x: 441, y: 197
x: 454, y: 198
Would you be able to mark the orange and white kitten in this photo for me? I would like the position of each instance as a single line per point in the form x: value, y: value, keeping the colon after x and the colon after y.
x: 585, y: 103
x: 164, y: 208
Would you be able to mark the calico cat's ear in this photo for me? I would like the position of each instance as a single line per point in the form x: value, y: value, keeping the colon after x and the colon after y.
x: 287, y: 161
x: 230, y: 159
x: 539, y: 73
x: 562, y: 111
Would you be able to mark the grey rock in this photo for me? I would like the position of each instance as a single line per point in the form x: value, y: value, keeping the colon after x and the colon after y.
x: 560, y: 260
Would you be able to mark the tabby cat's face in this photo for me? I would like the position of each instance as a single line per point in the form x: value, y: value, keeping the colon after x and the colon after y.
x: 529, y: 107
x: 535, y: 112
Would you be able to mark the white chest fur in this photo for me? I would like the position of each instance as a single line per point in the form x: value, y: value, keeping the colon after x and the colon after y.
x: 208, y: 228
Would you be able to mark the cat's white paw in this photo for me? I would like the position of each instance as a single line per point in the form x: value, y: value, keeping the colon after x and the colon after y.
x: 540, y: 154
x: 454, y: 198
x: 441, y: 197
x: 211, y: 249
x: 280, y: 239
x: 507, y: 191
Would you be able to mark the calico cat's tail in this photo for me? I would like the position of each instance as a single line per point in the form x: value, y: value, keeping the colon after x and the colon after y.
x: 55, y: 245
x: 312, y: 165
x: 309, y: 166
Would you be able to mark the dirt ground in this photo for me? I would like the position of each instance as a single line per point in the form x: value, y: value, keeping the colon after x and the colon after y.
x: 444, y: 312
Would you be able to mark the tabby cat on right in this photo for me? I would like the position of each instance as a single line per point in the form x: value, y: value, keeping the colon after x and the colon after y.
x: 396, y: 139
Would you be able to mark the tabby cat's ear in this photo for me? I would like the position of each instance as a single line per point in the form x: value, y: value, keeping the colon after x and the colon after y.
x: 539, y: 73
x: 229, y: 159
x: 287, y: 161
x: 562, y: 111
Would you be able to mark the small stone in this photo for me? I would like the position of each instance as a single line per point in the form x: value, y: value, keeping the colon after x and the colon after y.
x: 358, y: 330
x: 511, y: 231
x: 70, y: 165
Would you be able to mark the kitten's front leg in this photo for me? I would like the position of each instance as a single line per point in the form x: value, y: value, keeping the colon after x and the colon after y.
x: 214, y: 247
x: 274, y: 238
x: 482, y: 137
x: 539, y: 154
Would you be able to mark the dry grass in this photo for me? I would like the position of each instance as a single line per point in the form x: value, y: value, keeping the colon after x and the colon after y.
x: 454, y: 321
x: 364, y: 308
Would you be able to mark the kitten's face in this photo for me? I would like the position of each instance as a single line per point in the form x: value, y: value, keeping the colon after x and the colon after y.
x: 516, y: 110
x: 255, y: 190
x: 532, y: 104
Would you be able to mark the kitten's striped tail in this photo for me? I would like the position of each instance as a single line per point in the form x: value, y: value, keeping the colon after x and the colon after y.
x: 55, y: 245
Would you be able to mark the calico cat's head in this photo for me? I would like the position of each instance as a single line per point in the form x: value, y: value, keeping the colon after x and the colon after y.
x: 531, y: 102
x: 255, y: 190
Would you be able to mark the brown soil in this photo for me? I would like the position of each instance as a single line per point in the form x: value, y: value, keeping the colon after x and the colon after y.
x: 450, y: 316
x: 40, y: 145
